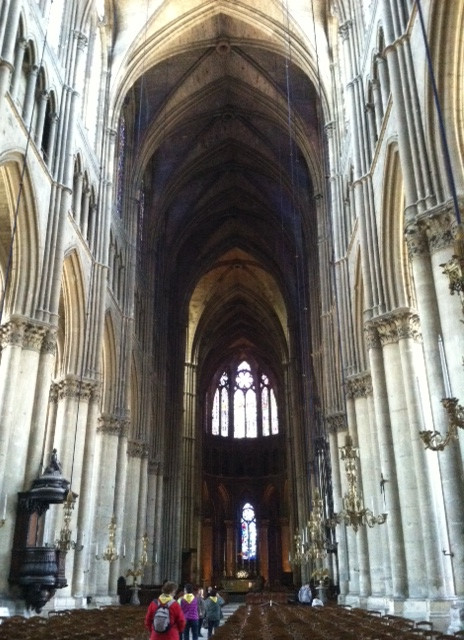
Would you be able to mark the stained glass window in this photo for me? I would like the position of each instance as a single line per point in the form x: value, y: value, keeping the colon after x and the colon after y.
x: 220, y: 413
x: 239, y: 403
x: 249, y: 532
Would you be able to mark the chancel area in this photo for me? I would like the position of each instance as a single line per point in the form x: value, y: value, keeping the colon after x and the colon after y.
x: 231, y: 303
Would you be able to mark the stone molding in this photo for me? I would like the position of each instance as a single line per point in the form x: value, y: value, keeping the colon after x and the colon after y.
x: 137, y: 449
x: 392, y: 327
x: 359, y: 386
x: 336, y: 422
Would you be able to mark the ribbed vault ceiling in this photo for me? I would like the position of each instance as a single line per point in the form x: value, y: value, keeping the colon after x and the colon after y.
x: 227, y: 139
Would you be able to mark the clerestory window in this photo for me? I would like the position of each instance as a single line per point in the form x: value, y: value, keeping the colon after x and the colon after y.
x: 244, y: 404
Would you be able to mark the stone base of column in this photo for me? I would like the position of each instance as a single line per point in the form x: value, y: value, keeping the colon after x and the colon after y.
x: 447, y: 615
x: 13, y: 607
x: 436, y: 611
x: 105, y: 601
x: 456, y: 617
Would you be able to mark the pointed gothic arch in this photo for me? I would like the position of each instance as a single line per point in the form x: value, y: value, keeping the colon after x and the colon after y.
x: 19, y: 251
x: 393, y: 250
x: 72, y: 325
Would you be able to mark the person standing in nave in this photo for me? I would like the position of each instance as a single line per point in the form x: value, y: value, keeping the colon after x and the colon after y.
x: 304, y: 594
x: 213, y: 611
x: 189, y: 605
x: 176, y: 617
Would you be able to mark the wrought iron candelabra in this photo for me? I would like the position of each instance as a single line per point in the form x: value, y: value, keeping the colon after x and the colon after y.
x: 111, y: 553
x: 354, y: 513
x: 65, y: 542
x: 139, y: 566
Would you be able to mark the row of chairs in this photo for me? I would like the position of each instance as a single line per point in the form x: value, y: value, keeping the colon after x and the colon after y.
x: 124, y: 623
x: 283, y: 622
x: 271, y: 621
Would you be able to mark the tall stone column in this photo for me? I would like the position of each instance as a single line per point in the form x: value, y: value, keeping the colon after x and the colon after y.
x: 370, y: 476
x: 86, y: 501
x: 77, y: 196
x: 395, y: 571
x: 358, y: 427
x: 440, y: 229
x: 12, y: 14
x: 409, y: 337
x: 119, y: 506
x: 11, y: 336
x: 229, y: 567
x: 285, y: 545
x: 150, y: 572
x: 207, y: 551
x: 353, y: 551
x: 21, y: 344
x: 36, y: 449
x: 190, y: 480
x: 158, y: 521
x: 263, y: 548
x: 337, y: 428
x: 30, y: 94
x: 449, y: 460
x: 131, y: 507
x: 404, y: 458
x: 49, y: 150
x: 21, y: 47
x: 40, y: 121
x: 108, y: 432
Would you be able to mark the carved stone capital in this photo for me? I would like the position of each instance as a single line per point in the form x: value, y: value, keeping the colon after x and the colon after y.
x: 336, y: 422
x: 344, y: 29
x: 440, y: 229
x: 392, y: 327
x: 416, y: 240
x: 82, y: 40
x: 49, y: 342
x: 54, y: 391
x: 125, y: 427
x: 359, y: 386
x: 12, y: 334
x: 329, y: 129
x: 137, y: 449
x: 109, y: 425
x: 372, y: 337
x: 408, y: 326
x: 33, y: 337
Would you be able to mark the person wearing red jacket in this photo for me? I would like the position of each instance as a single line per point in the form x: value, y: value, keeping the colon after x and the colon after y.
x: 176, y: 617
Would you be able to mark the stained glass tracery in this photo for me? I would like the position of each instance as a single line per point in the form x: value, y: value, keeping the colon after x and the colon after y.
x: 243, y: 408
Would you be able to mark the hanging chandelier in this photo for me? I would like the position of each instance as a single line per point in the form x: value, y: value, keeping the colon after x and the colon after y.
x: 354, y: 513
x: 111, y: 553
x: 64, y: 542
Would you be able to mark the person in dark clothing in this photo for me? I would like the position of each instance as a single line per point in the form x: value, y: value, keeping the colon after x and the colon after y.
x: 213, y: 611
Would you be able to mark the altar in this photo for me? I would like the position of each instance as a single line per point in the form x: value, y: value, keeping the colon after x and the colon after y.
x: 239, y: 585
